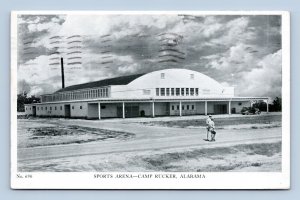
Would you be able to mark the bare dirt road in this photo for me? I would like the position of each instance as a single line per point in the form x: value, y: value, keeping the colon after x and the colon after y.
x: 148, y: 141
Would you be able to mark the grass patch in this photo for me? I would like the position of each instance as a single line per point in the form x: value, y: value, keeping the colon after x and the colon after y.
x: 161, y: 162
x: 45, y: 136
x: 260, y: 119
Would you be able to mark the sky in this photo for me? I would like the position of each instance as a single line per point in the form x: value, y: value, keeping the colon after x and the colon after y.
x: 239, y: 51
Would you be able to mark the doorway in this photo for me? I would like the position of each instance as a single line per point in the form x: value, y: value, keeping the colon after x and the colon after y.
x: 34, y: 111
x: 67, y: 111
x: 233, y: 111
x: 220, y: 109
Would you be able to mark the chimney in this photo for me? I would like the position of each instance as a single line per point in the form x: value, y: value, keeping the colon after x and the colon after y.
x: 62, y: 73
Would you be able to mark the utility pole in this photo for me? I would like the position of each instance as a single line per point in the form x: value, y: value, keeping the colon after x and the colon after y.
x: 62, y: 73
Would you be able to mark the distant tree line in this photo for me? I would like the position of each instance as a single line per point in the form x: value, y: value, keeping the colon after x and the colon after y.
x: 24, y: 99
x: 275, y: 106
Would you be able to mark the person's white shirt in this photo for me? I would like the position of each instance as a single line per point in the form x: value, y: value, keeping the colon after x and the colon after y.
x: 208, y: 120
x: 212, y: 124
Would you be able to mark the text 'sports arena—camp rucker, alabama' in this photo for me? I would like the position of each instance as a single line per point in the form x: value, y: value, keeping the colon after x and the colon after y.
x: 169, y: 92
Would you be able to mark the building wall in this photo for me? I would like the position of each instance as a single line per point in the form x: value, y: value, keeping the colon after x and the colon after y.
x: 210, y: 106
x: 147, y: 107
x: 58, y: 110
x: 109, y: 109
x: 77, y: 111
x: 200, y: 108
x: 145, y: 86
x: 49, y: 110
x: 28, y: 110
x: 238, y: 105
x: 93, y: 111
x: 188, y: 108
x: 161, y: 109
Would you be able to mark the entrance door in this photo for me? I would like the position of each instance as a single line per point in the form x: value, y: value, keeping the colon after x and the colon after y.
x: 119, y: 111
x: 220, y: 109
x: 233, y: 110
x: 67, y: 111
x: 34, y: 111
x: 132, y: 111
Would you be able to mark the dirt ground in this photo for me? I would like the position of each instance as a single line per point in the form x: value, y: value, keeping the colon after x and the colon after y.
x: 244, y: 143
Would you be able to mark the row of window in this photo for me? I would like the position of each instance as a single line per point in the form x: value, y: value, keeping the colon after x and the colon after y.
x: 179, y: 91
x: 87, y: 94
x: 55, y: 108
x: 183, y: 107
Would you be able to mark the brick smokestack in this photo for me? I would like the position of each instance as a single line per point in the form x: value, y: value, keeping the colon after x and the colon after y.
x: 62, y: 73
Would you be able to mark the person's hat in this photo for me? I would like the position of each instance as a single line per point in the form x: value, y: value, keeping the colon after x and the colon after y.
x: 210, y: 116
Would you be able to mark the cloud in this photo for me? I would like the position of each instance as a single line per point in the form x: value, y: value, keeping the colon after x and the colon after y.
x: 266, y: 80
x: 227, y: 48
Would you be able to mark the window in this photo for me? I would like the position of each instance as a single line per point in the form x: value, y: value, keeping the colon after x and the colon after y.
x: 192, y: 91
x: 187, y: 91
x: 42, y: 108
x: 177, y: 91
x: 98, y: 93
x: 182, y: 107
x: 60, y: 107
x: 172, y: 92
x: 177, y: 107
x: 192, y: 76
x: 157, y: 91
x: 172, y: 107
x: 101, y: 92
x: 168, y: 92
x: 193, y: 107
x: 50, y: 108
x: 197, y: 91
x: 162, y: 91
x: 240, y: 103
x: 26, y: 108
x: 80, y: 107
x: 55, y: 108
x: 103, y: 107
x: 188, y: 107
x: 72, y: 107
x: 30, y: 108
x: 162, y: 75
x: 182, y: 91
x: 46, y: 108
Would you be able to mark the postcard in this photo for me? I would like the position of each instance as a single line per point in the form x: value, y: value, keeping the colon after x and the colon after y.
x: 150, y: 100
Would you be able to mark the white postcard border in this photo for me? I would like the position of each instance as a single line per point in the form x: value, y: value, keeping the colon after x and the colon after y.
x: 201, y: 180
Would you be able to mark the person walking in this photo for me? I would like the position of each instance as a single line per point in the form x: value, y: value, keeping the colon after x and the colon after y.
x: 212, y: 130
x: 208, y: 122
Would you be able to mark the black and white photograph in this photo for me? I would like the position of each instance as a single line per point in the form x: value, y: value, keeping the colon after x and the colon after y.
x: 150, y: 100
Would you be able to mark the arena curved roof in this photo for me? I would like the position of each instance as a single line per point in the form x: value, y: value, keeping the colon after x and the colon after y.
x: 174, y: 77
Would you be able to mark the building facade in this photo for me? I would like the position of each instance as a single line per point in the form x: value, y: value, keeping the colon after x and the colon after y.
x: 169, y: 92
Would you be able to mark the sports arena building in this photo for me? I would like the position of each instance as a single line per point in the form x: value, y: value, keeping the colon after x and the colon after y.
x: 169, y: 92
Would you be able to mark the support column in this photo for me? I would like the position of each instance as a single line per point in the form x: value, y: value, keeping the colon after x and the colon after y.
x: 205, y: 107
x: 99, y: 110
x: 229, y: 107
x: 153, y: 109
x: 123, y: 110
x: 180, y: 108
x: 267, y: 105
